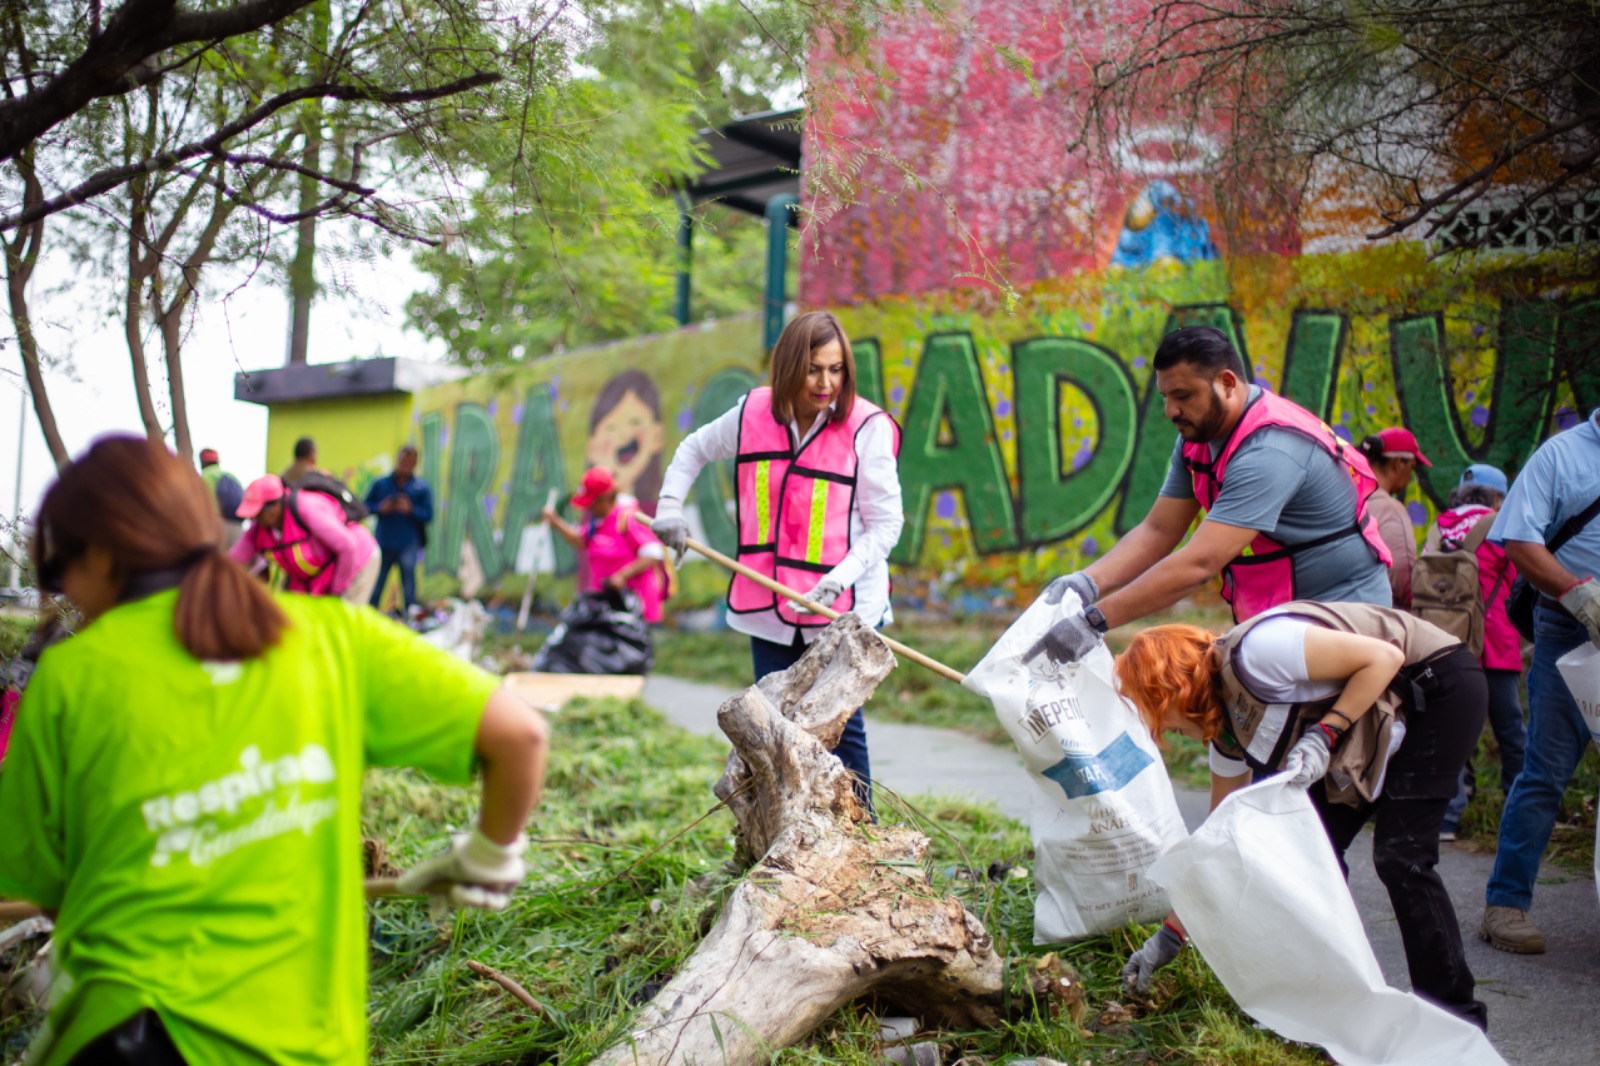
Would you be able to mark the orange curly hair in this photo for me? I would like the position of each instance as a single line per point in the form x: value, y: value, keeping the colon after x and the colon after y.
x: 1173, y: 668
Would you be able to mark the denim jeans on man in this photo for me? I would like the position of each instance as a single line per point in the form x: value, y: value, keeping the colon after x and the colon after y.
x: 1557, y: 740
x: 769, y: 657
x: 406, y: 560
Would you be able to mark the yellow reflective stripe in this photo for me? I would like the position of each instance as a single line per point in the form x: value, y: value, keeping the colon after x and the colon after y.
x: 307, y: 567
x: 763, y: 502
x: 819, y: 519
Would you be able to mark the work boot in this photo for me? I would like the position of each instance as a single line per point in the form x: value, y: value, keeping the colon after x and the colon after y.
x: 1509, y: 929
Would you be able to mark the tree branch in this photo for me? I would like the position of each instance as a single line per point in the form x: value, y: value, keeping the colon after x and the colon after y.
x: 111, y: 178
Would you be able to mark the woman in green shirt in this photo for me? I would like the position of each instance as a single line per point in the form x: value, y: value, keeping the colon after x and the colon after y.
x: 183, y: 789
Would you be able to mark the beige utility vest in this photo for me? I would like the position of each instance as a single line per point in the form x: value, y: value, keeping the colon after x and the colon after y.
x: 1262, y: 733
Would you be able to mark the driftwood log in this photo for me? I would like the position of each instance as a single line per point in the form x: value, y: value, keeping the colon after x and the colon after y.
x: 833, y: 907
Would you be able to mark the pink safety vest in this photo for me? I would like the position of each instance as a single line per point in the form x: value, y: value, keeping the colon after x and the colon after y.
x: 306, y: 562
x: 1262, y: 576
x: 794, y: 508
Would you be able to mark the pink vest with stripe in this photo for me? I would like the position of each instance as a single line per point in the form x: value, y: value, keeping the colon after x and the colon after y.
x: 1262, y: 576
x: 306, y: 562
x: 794, y: 508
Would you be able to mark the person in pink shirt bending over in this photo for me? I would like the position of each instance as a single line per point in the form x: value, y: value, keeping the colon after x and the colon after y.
x: 622, y: 553
x: 307, y: 535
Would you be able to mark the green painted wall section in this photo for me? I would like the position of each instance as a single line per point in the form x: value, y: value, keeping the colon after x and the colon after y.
x: 356, y: 438
x: 1032, y: 439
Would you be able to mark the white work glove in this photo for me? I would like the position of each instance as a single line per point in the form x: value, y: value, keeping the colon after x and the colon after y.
x: 670, y: 527
x: 475, y: 872
x: 1582, y: 601
x: 823, y: 593
x: 1077, y: 581
x: 1162, y: 947
x: 1307, y: 761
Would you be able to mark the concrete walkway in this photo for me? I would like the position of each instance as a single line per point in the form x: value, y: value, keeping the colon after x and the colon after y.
x: 1544, y: 1010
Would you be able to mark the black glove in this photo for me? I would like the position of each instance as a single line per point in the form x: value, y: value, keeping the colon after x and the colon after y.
x: 1068, y: 641
x: 1078, y: 581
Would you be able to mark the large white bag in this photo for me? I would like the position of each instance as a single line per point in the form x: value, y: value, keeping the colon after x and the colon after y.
x: 1103, y: 808
x: 1580, y: 669
x: 1259, y: 889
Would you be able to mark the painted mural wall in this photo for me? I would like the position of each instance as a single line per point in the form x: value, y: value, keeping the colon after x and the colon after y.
x: 1032, y: 440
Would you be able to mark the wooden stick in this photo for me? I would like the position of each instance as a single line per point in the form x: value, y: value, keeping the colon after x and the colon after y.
x: 376, y: 888
x: 815, y: 608
x: 517, y: 991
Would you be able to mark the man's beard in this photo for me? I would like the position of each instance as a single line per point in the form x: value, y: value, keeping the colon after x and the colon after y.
x: 1209, y: 428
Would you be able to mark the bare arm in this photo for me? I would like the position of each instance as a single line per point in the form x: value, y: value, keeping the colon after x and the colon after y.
x: 1211, y: 548
x: 1536, y: 563
x: 513, y: 743
x: 569, y: 533
x: 1151, y: 540
x: 1364, y: 664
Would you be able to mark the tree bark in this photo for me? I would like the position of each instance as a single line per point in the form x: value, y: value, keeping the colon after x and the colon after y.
x: 831, y: 911
x: 172, y: 317
x: 22, y: 254
x: 303, y: 271
x: 143, y: 259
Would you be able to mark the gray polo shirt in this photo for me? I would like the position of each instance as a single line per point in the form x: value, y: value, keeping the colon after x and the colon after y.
x: 1284, y: 485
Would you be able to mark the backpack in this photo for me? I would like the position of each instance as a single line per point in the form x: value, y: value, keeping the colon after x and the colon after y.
x: 230, y: 494
x: 1445, y: 588
x: 328, y: 485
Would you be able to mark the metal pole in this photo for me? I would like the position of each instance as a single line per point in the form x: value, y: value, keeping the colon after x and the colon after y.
x: 780, y: 210
x: 680, y: 302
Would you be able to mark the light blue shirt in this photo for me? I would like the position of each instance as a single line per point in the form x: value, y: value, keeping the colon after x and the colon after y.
x: 1561, y: 479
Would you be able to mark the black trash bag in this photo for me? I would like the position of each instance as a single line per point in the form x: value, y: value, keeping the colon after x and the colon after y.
x: 599, y: 633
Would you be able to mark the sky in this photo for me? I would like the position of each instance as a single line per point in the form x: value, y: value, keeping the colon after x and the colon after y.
x: 243, y: 329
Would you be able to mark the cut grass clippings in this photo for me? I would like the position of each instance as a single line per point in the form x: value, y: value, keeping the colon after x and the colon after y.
x: 627, y: 871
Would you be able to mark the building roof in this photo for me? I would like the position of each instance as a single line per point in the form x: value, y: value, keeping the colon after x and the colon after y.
x: 756, y: 158
x: 328, y: 381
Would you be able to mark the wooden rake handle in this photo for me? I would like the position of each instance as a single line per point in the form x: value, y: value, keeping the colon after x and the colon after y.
x: 815, y: 608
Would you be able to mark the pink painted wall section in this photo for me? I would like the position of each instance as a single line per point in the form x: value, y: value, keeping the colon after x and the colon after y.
x: 1006, y: 188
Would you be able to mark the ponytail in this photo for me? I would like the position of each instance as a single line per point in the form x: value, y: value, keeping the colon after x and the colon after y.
x: 1371, y: 446
x: 159, y: 522
x: 224, y: 613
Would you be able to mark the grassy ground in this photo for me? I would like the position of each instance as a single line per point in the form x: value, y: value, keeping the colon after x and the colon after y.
x: 614, y: 903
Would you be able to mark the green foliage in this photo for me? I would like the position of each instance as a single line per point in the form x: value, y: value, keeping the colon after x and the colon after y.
x: 628, y: 870
x: 572, y: 236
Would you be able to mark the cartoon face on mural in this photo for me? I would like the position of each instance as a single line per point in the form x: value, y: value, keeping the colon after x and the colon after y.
x: 626, y: 436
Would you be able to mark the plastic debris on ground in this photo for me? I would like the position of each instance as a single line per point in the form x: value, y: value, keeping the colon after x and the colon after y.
x: 599, y: 633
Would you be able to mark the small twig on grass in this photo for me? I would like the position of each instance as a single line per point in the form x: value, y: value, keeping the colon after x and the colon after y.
x: 515, y: 990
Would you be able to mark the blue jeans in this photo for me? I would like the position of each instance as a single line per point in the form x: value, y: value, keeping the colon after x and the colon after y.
x: 1510, y: 733
x: 768, y: 657
x: 406, y: 560
x: 1557, y: 739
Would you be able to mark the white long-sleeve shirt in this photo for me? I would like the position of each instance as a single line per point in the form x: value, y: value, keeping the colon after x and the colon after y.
x: 875, y: 517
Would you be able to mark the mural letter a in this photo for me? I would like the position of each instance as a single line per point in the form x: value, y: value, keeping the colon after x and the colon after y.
x: 949, y: 393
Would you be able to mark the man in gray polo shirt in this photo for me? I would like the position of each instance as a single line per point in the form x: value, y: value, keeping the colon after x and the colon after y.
x: 1284, y: 501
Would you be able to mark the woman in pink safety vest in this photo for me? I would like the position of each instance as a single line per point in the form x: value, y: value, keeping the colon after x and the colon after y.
x: 307, y: 536
x: 621, y: 552
x: 818, y: 502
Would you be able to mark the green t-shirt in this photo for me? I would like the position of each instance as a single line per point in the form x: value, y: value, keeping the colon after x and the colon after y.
x: 198, y: 825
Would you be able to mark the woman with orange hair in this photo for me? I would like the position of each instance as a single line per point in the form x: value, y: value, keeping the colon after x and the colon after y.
x: 1371, y: 709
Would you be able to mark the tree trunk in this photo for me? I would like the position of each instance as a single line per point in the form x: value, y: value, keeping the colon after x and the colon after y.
x: 22, y: 254
x: 143, y: 260
x: 303, y: 271
x: 831, y: 911
x: 172, y: 319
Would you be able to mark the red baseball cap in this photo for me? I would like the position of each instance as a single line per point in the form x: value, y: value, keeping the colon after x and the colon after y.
x: 597, y: 481
x: 262, y: 491
x: 1401, y: 444
x: 208, y: 455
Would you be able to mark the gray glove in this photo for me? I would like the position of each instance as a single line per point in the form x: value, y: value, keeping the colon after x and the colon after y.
x: 1582, y: 601
x: 822, y: 594
x: 670, y: 528
x: 1068, y: 641
x: 1077, y: 581
x: 1162, y: 947
x: 1307, y: 761
x: 475, y: 872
